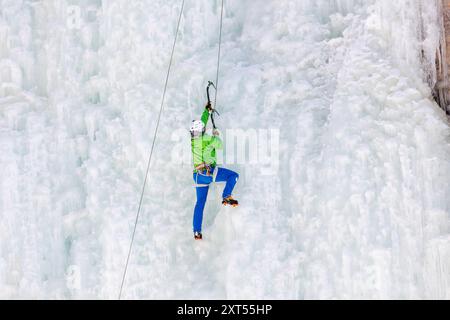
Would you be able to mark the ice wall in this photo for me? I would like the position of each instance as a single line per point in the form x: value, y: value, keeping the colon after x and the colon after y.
x: 359, y: 208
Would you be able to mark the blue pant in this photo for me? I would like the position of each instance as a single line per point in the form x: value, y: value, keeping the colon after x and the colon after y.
x: 202, y: 182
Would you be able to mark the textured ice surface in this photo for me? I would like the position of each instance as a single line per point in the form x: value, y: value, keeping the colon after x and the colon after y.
x: 360, y: 206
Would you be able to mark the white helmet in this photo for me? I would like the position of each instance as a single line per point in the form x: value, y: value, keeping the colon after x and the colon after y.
x: 197, y: 128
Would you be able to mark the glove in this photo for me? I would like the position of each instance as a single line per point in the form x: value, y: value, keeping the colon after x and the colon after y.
x: 209, y: 107
x: 216, y: 133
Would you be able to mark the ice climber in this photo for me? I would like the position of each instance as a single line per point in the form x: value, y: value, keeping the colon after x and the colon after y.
x: 205, y: 168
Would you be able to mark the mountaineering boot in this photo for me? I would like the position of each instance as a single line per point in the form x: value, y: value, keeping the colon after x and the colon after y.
x: 198, y: 236
x: 230, y: 202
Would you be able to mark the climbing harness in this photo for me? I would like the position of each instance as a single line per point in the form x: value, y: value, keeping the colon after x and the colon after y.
x: 206, y: 171
x: 202, y: 167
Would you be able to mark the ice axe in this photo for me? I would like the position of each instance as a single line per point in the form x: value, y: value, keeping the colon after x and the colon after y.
x: 211, y: 84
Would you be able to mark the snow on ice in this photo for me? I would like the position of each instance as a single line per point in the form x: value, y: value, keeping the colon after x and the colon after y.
x: 359, y: 207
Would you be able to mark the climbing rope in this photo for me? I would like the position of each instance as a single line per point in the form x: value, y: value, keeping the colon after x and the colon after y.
x: 218, y: 55
x: 151, y: 151
x: 217, y: 74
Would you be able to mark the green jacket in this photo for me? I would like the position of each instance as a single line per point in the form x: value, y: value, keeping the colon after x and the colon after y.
x: 204, y: 147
